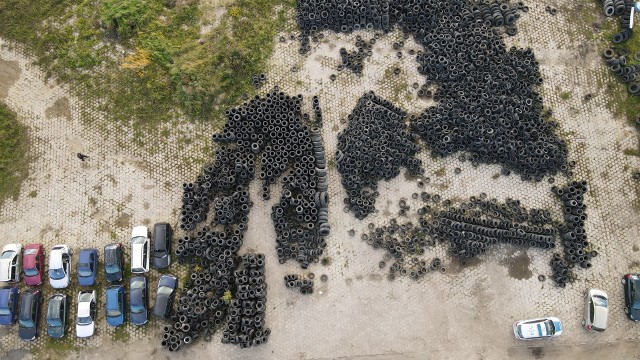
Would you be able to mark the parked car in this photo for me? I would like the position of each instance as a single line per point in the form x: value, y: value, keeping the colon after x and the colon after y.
x: 140, y: 250
x: 113, y: 262
x: 596, y: 310
x: 138, y: 300
x: 60, y: 266
x: 631, y: 283
x: 162, y: 235
x: 115, y: 305
x: 8, y: 305
x: 87, y: 267
x: 29, y: 317
x: 11, y: 263
x: 165, y: 295
x: 85, y: 322
x: 33, y: 264
x: 537, y: 328
x: 57, y: 315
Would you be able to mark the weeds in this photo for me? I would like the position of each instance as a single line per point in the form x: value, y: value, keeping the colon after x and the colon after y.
x: 13, y: 154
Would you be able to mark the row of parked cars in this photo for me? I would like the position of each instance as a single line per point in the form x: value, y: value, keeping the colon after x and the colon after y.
x: 30, y: 264
x: 14, y: 263
x: 596, y: 312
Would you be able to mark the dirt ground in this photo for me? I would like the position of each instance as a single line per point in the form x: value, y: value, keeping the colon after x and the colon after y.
x: 465, y: 313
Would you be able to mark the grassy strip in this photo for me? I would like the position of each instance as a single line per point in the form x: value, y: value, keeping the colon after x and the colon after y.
x: 13, y: 153
x: 145, y: 59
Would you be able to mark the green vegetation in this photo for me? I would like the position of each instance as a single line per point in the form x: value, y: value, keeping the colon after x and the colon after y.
x: 147, y: 58
x: 121, y: 334
x: 13, y: 153
x: 565, y: 95
x: 632, y: 152
x: 440, y: 172
x: 57, y: 348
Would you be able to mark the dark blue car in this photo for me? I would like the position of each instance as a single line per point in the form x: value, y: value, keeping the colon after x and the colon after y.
x: 138, y: 300
x: 115, y: 305
x: 8, y: 305
x: 87, y: 267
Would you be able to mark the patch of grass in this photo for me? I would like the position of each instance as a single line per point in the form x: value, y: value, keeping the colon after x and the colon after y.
x: 33, y: 193
x: 440, y: 172
x: 57, y: 348
x: 146, y: 59
x: 326, y: 261
x: 121, y: 334
x: 632, y: 152
x: 13, y: 153
x: 565, y: 95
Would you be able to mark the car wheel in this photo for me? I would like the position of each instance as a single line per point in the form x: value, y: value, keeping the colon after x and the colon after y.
x: 626, y: 311
x: 622, y: 281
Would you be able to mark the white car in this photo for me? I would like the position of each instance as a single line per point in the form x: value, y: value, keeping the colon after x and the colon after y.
x: 596, y: 310
x: 11, y: 263
x: 85, y: 323
x: 140, y: 246
x: 537, y: 328
x: 60, y: 266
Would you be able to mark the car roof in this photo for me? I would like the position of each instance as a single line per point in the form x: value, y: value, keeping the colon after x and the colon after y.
x: 600, y: 315
x: 84, y: 255
x: 26, y: 302
x: 112, y: 294
x: 55, y: 258
x: 5, y: 265
x: 4, y: 295
x: 54, y: 304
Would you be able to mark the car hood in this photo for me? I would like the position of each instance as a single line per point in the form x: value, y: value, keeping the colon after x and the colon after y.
x: 59, y: 283
x: 115, y: 320
x: 33, y: 280
x: 85, y: 330
x: 86, y: 280
x: 114, y: 277
x: 55, y: 331
x: 6, y: 319
x: 27, y: 333
x: 138, y: 318
x: 161, y: 261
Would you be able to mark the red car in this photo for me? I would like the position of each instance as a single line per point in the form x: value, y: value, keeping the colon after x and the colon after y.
x: 33, y: 264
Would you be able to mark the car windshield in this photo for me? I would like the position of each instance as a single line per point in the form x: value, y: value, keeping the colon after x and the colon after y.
x: 5, y: 311
x: 83, y: 270
x: 164, y: 290
x: 114, y: 313
x: 56, y: 274
x: 31, y: 272
x: 550, y: 328
x: 112, y: 268
x: 600, y: 301
x: 7, y: 254
x: 138, y: 240
x: 84, y: 320
x: 136, y: 308
x: 26, y: 323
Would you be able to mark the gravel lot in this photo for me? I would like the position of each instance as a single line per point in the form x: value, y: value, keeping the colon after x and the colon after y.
x: 466, y: 312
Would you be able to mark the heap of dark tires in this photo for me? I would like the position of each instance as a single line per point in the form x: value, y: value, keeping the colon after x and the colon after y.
x: 225, y: 288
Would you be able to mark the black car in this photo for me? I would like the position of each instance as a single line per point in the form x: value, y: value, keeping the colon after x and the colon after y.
x: 164, y: 298
x: 631, y: 283
x: 57, y: 315
x: 113, y: 262
x: 29, y: 317
x: 138, y: 300
x: 162, y: 234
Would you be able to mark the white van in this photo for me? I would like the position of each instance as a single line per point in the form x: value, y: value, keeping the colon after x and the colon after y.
x: 140, y: 246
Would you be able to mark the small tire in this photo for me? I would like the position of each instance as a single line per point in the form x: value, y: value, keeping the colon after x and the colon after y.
x: 626, y: 311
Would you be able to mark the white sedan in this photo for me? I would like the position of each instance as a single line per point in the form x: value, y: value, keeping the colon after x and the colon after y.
x: 85, y: 323
x: 59, y: 266
x: 537, y: 328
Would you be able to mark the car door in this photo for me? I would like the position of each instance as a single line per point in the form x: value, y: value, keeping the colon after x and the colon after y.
x: 92, y: 262
x: 587, y: 307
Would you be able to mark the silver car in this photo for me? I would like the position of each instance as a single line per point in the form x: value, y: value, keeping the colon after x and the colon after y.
x: 140, y: 250
x: 537, y: 328
x: 596, y: 310
x: 11, y: 263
